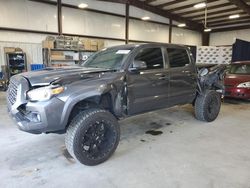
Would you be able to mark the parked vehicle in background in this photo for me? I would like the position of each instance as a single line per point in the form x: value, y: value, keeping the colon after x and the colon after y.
x: 237, y: 80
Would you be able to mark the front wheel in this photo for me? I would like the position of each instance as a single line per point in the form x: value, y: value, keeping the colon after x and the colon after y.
x: 92, y: 136
x: 207, y: 106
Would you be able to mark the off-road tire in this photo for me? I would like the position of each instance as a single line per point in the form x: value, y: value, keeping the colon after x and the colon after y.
x: 207, y: 106
x: 85, y: 132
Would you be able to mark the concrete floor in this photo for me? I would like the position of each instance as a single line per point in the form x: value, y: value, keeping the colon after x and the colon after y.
x: 188, y: 153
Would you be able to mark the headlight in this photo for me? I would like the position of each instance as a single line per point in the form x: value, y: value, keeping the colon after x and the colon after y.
x: 244, y: 85
x: 44, y: 93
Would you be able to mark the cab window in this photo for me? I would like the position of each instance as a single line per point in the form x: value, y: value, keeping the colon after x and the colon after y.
x: 177, y: 57
x: 152, y: 57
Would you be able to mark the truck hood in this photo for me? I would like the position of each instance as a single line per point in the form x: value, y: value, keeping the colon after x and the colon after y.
x: 61, y: 75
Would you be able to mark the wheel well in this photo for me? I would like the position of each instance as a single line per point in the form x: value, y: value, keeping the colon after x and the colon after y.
x: 103, y: 102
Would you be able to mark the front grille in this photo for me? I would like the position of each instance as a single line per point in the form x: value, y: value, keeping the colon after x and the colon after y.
x: 12, y: 92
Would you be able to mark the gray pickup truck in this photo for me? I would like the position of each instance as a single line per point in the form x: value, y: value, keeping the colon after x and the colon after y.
x: 86, y: 102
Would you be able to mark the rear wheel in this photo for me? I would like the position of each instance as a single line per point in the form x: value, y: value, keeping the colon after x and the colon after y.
x: 207, y: 106
x: 93, y: 136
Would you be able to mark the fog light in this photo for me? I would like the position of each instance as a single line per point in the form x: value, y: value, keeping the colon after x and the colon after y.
x: 34, y: 117
x: 38, y: 117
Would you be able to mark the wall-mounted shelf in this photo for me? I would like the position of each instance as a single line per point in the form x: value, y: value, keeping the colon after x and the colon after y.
x: 71, y: 50
x: 16, y: 63
x: 67, y: 49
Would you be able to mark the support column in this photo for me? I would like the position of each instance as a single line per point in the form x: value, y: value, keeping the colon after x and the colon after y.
x: 59, y: 16
x: 170, y: 31
x: 127, y: 24
x: 205, y: 38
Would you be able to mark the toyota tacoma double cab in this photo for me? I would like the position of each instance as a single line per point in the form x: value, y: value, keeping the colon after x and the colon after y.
x: 86, y: 101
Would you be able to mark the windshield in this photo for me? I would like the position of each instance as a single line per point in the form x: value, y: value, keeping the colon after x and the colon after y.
x: 108, y: 59
x: 240, y: 69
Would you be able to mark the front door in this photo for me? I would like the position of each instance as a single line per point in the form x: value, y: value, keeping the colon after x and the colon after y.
x: 148, y: 88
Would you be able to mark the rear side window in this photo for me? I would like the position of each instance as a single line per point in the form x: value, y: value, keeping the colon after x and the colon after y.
x: 240, y: 69
x: 152, y: 57
x: 177, y: 57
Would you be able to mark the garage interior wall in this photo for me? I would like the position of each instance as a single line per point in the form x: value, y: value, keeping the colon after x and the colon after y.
x: 102, y: 6
x: 79, y: 22
x: 228, y: 37
x: 28, y: 15
x: 146, y: 31
x: 28, y: 42
x: 24, y: 14
x: 185, y: 36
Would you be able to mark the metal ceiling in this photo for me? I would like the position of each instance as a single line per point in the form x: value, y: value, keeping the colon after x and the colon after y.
x: 183, y: 11
x: 218, y: 12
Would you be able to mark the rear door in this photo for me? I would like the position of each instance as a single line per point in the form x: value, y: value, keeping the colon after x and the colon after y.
x: 148, y: 88
x: 182, y: 76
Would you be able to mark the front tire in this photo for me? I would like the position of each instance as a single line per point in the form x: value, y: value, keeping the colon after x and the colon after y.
x: 207, y: 106
x: 92, y: 136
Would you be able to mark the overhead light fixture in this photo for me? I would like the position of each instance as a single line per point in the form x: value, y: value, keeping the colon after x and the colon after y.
x: 200, y: 5
x: 234, y: 16
x: 145, y: 18
x: 82, y: 5
x: 181, y: 25
x: 207, y: 30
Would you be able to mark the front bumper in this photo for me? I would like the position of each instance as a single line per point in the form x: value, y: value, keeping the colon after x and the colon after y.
x: 241, y: 93
x: 39, y: 117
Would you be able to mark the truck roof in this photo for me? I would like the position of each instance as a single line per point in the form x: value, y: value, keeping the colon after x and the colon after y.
x: 126, y: 46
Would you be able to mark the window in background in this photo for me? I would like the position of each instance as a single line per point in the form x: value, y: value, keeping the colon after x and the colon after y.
x: 147, y: 31
x: 25, y: 14
x: 81, y: 22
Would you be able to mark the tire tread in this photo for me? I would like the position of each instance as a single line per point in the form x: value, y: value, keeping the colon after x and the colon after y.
x: 75, y: 124
x: 201, y: 103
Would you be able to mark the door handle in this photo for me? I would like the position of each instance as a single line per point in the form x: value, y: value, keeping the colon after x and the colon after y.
x: 187, y: 72
x: 163, y: 77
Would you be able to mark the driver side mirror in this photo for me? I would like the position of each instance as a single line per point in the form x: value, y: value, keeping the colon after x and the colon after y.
x: 138, y: 65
